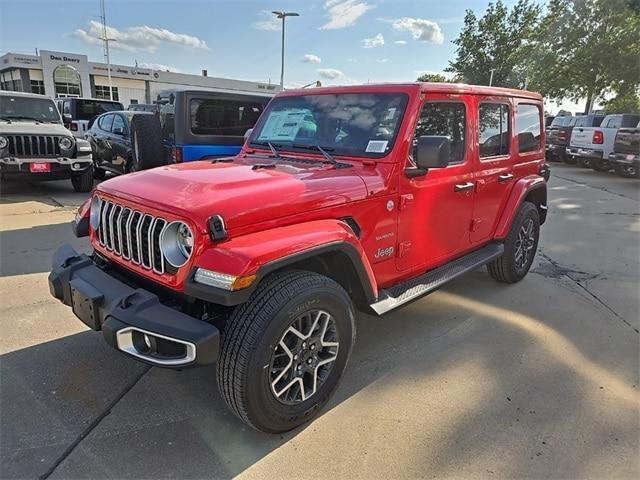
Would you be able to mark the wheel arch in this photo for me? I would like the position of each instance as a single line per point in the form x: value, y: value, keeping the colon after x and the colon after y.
x: 528, y: 189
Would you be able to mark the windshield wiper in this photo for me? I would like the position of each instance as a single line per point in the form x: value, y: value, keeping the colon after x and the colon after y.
x: 23, y: 117
x: 272, y: 147
x: 318, y: 148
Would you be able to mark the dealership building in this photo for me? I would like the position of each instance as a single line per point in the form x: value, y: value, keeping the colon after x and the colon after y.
x: 60, y: 74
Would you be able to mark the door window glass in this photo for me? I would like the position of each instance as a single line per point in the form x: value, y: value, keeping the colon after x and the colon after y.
x: 494, y: 129
x: 118, y: 122
x: 446, y: 119
x: 214, y: 116
x: 528, y: 127
x: 105, y: 123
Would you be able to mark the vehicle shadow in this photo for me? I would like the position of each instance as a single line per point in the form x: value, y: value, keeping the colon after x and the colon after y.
x: 174, y: 424
x: 54, y: 193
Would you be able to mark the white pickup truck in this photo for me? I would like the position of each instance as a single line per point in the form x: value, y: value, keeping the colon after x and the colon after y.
x: 591, y: 146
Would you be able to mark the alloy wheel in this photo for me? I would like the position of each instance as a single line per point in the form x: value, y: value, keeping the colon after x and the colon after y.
x: 524, y: 244
x: 303, y: 358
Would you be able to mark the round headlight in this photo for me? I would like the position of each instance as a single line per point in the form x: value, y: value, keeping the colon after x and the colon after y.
x: 66, y: 143
x: 94, y: 215
x: 3, y: 142
x: 177, y: 243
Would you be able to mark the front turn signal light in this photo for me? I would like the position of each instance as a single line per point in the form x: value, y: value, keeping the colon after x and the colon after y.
x: 222, y: 280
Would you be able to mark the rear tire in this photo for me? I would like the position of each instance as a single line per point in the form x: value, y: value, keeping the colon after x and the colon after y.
x: 254, y: 366
x: 146, y: 138
x: 627, y: 171
x: 584, y: 162
x: 519, y: 247
x: 83, y: 182
x: 601, y: 165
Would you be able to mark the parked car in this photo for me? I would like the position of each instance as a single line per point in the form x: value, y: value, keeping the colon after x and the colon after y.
x: 343, y: 198
x: 35, y: 144
x: 559, y: 133
x: 113, y: 147
x: 144, y: 107
x: 591, y: 146
x: 77, y: 113
x: 625, y: 159
x: 197, y: 125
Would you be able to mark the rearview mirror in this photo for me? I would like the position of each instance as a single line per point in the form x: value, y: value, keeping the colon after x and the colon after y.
x: 431, y: 151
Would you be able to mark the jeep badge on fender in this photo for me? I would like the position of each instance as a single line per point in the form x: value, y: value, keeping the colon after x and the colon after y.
x: 343, y: 199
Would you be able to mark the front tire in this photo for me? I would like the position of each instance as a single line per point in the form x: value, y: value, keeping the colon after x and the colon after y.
x: 83, y: 182
x: 519, y: 247
x: 284, y: 351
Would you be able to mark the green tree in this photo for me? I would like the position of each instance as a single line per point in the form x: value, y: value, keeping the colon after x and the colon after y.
x: 586, y: 49
x: 623, y: 103
x: 498, y: 42
x: 432, y: 77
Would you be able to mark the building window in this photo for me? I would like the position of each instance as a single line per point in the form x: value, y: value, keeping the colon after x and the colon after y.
x: 37, y: 86
x: 494, y: 129
x: 102, y: 92
x: 67, y: 81
x: 10, y: 80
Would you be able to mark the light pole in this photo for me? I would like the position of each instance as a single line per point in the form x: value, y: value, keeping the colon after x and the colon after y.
x: 283, y: 15
x: 106, y: 41
x: 491, y: 76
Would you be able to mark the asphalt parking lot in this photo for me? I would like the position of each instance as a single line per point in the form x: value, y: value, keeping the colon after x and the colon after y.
x: 538, y: 379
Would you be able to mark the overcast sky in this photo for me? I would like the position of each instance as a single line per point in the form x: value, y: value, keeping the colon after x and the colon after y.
x: 335, y: 41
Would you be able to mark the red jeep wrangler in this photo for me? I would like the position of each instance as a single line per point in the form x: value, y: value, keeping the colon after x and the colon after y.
x: 346, y: 198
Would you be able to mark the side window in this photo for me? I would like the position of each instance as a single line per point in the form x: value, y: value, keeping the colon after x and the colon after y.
x: 528, y: 127
x: 447, y: 119
x: 223, y: 117
x: 118, y: 122
x: 105, y: 123
x: 494, y: 129
x: 66, y: 109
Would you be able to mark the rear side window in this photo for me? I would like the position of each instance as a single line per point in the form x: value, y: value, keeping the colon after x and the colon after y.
x: 613, y: 121
x: 222, y: 116
x: 105, y: 123
x: 630, y: 121
x: 494, y: 129
x: 528, y: 127
x: 447, y: 119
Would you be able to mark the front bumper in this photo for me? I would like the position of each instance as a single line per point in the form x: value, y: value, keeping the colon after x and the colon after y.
x: 60, y: 166
x: 133, y: 320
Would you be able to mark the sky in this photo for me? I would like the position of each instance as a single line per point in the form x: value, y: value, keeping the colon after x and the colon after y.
x: 334, y: 41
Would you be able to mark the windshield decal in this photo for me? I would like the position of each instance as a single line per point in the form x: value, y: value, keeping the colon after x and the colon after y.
x: 377, y: 146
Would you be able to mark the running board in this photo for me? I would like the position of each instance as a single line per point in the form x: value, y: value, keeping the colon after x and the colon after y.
x: 434, y: 279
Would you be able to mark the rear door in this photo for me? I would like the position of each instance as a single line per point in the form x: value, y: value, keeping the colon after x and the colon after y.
x: 493, y: 164
x: 119, y: 140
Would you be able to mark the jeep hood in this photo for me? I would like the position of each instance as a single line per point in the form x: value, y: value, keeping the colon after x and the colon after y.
x: 241, y: 192
x: 32, y: 128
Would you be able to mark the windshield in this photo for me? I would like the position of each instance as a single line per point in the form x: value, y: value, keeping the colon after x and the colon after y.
x: 356, y: 124
x: 87, y: 109
x: 560, y: 121
x: 28, y: 108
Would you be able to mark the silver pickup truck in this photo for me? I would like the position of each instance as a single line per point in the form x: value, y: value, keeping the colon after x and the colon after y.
x: 591, y: 146
x: 35, y: 144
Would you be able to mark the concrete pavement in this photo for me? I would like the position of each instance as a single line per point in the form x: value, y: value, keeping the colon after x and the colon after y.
x: 537, y: 379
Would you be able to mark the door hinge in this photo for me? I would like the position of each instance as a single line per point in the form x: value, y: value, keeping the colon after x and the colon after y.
x: 403, y: 248
x: 405, y: 200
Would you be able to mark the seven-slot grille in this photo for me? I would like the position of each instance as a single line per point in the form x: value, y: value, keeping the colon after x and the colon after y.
x: 34, y: 145
x: 132, y: 235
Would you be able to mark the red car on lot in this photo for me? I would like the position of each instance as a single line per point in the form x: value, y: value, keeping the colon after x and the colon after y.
x: 342, y: 199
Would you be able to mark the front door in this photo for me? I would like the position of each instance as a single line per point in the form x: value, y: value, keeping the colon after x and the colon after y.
x: 493, y: 164
x: 435, y: 209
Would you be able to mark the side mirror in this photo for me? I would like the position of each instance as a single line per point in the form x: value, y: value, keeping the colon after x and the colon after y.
x: 67, y: 119
x: 118, y: 131
x: 431, y: 151
x: 247, y: 134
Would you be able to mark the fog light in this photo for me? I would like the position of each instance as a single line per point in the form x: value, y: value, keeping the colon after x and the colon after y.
x: 147, y: 341
x: 222, y: 280
x: 76, y: 165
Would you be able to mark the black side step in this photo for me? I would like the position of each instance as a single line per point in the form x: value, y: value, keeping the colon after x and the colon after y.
x: 434, y: 279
